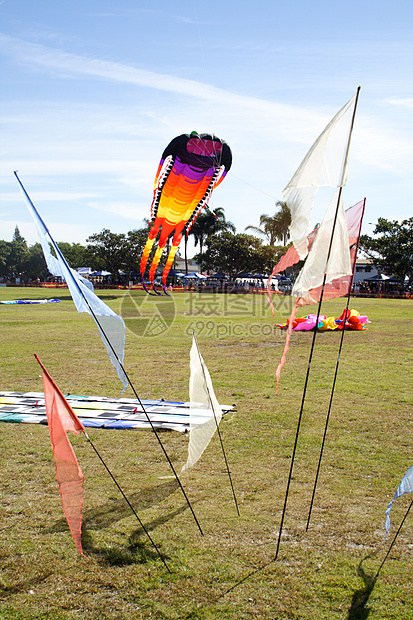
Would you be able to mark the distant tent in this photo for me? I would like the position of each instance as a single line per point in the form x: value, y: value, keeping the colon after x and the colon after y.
x: 101, y: 273
x: 219, y: 276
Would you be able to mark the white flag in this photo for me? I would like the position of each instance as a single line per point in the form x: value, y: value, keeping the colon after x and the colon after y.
x: 324, y: 165
x: 111, y: 326
x: 205, y: 413
x: 329, y: 254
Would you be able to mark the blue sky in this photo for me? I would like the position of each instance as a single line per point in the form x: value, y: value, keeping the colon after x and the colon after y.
x: 92, y: 91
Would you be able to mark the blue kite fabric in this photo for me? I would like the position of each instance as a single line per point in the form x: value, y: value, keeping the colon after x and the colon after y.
x: 406, y: 486
x: 30, y: 301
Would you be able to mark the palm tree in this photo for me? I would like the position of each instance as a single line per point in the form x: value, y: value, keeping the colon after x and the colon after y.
x: 209, y: 223
x: 284, y: 220
x: 274, y: 227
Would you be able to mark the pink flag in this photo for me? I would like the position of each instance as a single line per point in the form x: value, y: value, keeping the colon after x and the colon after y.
x: 337, y: 287
x: 61, y: 418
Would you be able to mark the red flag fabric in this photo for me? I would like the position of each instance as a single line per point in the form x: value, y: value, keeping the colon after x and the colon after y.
x: 335, y: 288
x: 61, y: 418
x: 338, y: 287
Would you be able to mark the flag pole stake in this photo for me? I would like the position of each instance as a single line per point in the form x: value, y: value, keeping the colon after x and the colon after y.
x: 317, y: 320
x: 62, y: 258
x: 336, y: 372
x: 128, y: 502
x: 218, y: 431
x: 394, y: 540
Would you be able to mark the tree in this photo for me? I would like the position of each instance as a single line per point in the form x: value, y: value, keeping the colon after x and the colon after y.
x: 209, y: 223
x: 284, y: 220
x: 392, y: 250
x: 274, y: 227
x: 18, y: 252
x: 117, y: 252
x: 77, y: 255
x: 5, y: 258
x: 133, y: 245
x: 106, y: 251
x: 34, y: 264
x: 235, y: 254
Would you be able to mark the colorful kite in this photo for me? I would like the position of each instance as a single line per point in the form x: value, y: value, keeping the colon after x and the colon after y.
x: 350, y: 319
x: 192, y: 165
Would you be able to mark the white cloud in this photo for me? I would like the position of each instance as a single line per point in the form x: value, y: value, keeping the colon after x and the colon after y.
x: 127, y: 210
x: 103, y: 157
x: 406, y: 103
x: 270, y: 125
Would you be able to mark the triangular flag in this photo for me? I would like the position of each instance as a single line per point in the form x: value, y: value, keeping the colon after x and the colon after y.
x: 111, y: 326
x: 61, y: 419
x: 203, y: 402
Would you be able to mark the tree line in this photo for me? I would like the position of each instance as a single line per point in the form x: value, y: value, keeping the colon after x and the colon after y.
x: 221, y: 249
x: 391, y: 249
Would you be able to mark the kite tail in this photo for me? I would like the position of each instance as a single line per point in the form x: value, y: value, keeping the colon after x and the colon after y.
x: 145, y: 254
x: 270, y: 291
x: 287, y: 342
x: 155, y: 262
x: 169, y: 262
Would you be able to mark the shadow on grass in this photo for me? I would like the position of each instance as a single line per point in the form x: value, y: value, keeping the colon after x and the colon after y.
x: 117, y: 509
x: 358, y: 609
x: 136, y: 552
x: 159, y: 521
x: 23, y: 586
x: 139, y: 549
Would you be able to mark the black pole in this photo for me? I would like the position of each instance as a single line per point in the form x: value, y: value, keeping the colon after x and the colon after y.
x: 394, y: 540
x: 106, y: 467
x: 336, y: 370
x: 57, y: 250
x: 317, y: 319
x: 217, y: 426
x: 186, y: 251
x: 128, y: 502
x: 297, y: 432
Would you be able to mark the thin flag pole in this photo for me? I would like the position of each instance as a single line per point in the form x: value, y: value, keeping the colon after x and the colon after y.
x: 57, y: 250
x: 336, y: 370
x: 343, y: 174
x: 103, y: 462
x: 297, y: 432
x: 128, y: 502
x: 394, y: 540
x: 217, y: 425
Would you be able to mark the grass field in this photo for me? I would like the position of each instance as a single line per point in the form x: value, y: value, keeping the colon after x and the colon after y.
x: 321, y: 574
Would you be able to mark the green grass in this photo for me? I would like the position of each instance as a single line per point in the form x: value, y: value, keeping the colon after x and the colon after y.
x: 317, y: 575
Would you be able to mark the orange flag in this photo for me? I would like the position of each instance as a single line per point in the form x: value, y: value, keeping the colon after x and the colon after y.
x: 61, y: 418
